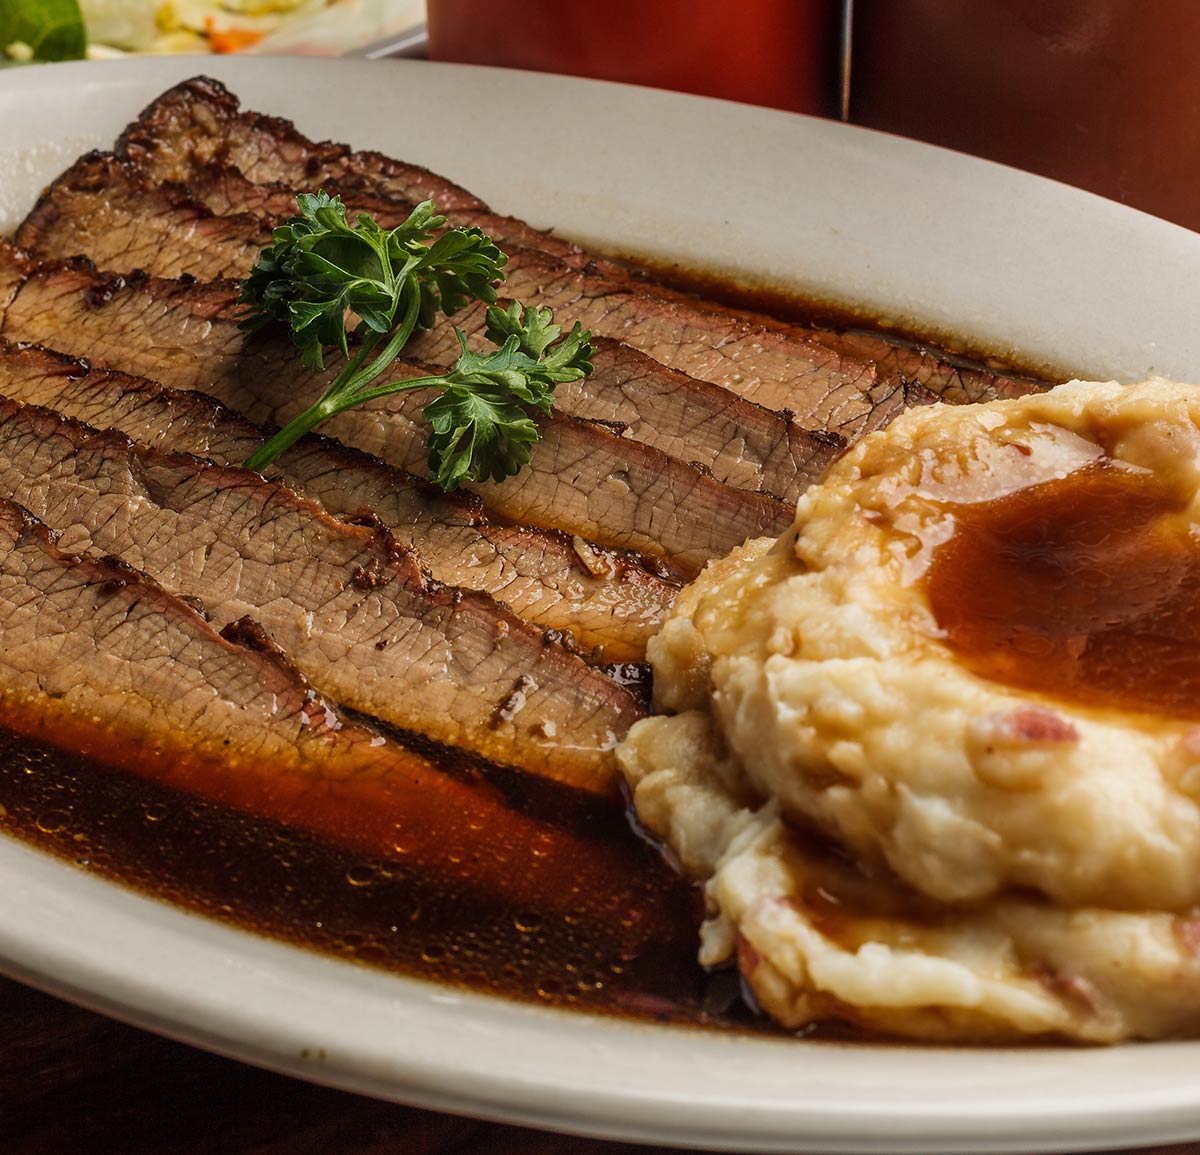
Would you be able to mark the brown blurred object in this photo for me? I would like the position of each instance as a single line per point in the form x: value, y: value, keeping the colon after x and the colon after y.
x: 781, y: 53
x: 1103, y: 94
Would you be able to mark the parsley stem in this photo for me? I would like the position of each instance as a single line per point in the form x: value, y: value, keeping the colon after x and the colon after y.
x: 344, y: 391
x: 290, y: 434
x: 365, y: 349
x: 406, y: 386
x: 357, y: 378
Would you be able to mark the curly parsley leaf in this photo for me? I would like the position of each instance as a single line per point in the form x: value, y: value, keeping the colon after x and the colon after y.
x: 484, y: 424
x: 535, y: 332
x: 319, y: 269
x: 478, y: 433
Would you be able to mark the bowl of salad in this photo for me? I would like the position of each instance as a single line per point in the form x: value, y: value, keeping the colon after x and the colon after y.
x: 47, y: 30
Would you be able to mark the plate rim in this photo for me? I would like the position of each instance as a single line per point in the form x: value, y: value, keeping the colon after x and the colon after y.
x: 47, y: 953
x: 52, y: 960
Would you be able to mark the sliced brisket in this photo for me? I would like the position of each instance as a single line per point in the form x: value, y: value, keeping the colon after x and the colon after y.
x: 739, y: 442
x: 101, y: 208
x: 228, y: 192
x: 610, y: 604
x: 775, y: 367
x: 584, y: 478
x: 350, y: 608
x: 100, y: 660
x: 199, y: 122
x: 836, y: 385
x: 143, y: 228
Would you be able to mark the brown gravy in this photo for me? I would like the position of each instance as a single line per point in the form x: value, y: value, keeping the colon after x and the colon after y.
x: 775, y: 305
x: 290, y: 885
x: 1086, y: 588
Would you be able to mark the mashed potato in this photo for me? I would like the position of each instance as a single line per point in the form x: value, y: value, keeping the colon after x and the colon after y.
x: 1014, y: 858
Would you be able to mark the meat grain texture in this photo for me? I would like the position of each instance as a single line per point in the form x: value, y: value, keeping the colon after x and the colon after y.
x: 102, y: 660
x: 350, y: 608
x: 583, y: 477
x: 104, y: 208
x: 606, y: 600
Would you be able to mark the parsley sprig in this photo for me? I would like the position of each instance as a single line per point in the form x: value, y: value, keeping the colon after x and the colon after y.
x: 482, y: 425
x: 320, y: 268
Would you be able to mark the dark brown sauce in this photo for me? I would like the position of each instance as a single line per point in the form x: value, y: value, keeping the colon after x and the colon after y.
x: 1086, y: 588
x: 382, y: 911
x: 808, y: 311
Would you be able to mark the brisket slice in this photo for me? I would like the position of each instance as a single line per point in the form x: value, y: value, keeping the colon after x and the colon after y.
x: 777, y: 367
x: 101, y: 660
x: 739, y: 442
x: 199, y: 122
x: 228, y: 192
x: 103, y: 209
x: 602, y: 598
x: 154, y: 233
x: 583, y: 478
x: 932, y: 372
x: 813, y: 373
x: 351, y: 609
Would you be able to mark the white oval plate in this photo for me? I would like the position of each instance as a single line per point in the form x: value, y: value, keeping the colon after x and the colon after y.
x: 925, y: 236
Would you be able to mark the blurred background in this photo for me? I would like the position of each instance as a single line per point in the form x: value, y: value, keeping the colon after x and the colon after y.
x: 1102, y: 94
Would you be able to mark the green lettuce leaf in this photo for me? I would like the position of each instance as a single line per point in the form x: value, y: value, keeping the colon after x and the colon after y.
x: 52, y: 29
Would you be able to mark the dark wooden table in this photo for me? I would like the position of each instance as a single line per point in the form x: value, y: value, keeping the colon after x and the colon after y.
x: 73, y: 1082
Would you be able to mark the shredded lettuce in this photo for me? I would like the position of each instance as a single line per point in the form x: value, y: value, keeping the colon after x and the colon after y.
x: 130, y: 25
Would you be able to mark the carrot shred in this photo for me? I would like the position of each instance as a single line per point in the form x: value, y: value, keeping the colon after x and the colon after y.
x: 232, y: 39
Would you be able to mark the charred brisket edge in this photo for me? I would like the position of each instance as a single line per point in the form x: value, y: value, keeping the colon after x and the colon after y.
x: 139, y: 134
x: 45, y: 213
x: 575, y: 811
